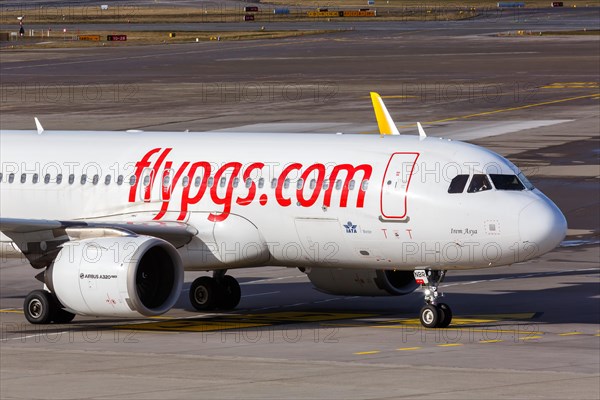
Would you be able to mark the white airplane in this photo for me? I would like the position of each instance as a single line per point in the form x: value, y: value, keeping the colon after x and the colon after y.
x: 112, y: 219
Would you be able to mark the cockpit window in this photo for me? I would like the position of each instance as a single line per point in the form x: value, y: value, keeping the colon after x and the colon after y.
x: 507, y: 182
x: 458, y: 184
x: 479, y: 183
x: 525, y: 181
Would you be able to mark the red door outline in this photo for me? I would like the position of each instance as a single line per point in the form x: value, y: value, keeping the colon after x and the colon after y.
x: 383, y: 185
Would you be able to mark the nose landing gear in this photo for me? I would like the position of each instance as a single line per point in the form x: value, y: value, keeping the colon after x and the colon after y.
x: 433, y: 314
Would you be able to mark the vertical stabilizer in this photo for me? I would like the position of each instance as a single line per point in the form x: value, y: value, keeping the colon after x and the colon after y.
x: 384, y: 120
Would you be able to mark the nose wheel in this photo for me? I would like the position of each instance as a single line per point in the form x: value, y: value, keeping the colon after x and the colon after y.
x: 434, y: 314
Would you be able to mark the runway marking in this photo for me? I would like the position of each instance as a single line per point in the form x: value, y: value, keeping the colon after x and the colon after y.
x: 531, y: 337
x: 408, y: 348
x: 11, y: 310
x: 399, y: 96
x: 544, y: 103
x: 364, y: 353
x: 238, y: 321
x: 450, y: 345
x: 572, y: 85
x: 189, y: 326
x: 204, y: 49
x: 570, y: 333
x: 490, y: 341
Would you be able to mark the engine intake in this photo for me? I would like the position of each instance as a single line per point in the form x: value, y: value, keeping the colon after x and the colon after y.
x: 117, y: 276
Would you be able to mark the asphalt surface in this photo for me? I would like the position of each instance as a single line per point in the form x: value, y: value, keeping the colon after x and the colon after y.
x: 526, y: 331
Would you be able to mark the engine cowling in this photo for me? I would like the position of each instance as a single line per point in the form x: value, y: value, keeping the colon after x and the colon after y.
x: 362, y: 282
x: 117, y: 276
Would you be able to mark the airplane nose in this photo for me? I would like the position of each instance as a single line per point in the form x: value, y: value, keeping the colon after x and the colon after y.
x: 542, y: 224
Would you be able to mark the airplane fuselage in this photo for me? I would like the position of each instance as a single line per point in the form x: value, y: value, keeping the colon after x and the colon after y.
x: 299, y: 200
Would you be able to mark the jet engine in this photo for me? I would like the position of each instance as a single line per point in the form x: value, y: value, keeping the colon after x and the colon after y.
x: 117, y: 276
x: 362, y: 282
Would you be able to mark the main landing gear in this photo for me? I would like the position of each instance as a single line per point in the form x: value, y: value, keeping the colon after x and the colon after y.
x: 42, y: 307
x: 433, y: 314
x: 219, y: 292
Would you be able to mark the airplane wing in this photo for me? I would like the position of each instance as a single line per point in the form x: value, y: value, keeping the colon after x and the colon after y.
x: 40, y: 240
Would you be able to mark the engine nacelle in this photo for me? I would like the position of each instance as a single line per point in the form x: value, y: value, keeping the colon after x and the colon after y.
x: 362, y: 282
x: 117, y: 276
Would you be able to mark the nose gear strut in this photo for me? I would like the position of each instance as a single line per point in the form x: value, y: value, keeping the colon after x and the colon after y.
x: 434, y: 314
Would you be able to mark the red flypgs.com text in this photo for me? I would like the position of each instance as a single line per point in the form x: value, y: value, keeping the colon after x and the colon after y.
x: 231, y: 184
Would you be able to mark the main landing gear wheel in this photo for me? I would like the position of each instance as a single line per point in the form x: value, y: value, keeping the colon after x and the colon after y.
x: 222, y: 292
x: 232, y: 293
x: 42, y: 307
x: 39, y: 307
x: 433, y: 314
x: 204, y: 294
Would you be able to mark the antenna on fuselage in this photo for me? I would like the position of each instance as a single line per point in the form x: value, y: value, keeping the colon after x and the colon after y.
x: 39, y: 126
x: 422, y: 134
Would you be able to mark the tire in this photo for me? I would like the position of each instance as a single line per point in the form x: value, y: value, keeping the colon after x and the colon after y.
x: 39, y: 307
x: 205, y: 294
x: 231, y: 293
x: 62, y: 316
x: 447, y: 315
x: 430, y: 316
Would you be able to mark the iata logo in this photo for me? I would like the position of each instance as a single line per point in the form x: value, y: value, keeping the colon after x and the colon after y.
x: 232, y: 184
x: 350, y: 227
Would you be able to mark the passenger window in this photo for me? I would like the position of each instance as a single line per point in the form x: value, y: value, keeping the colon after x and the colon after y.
x: 211, y: 181
x: 83, y: 179
x: 35, y: 178
x: 1, y: 176
x: 365, y: 185
x: 507, y: 182
x: 132, y: 180
x: 95, y: 179
x: 286, y: 183
x: 458, y: 184
x: 58, y: 179
x: 147, y: 180
x: 23, y: 178
x: 197, y: 181
x: 273, y: 183
x: 338, y: 184
x: 326, y: 184
x: 47, y: 178
x: 71, y: 179
x: 166, y: 181
x: 261, y: 183
x: 185, y: 181
x: 479, y: 183
x: 351, y: 184
x: 300, y: 184
x: 120, y: 180
x: 107, y: 180
x: 222, y: 182
x: 248, y: 183
x: 11, y: 178
x: 313, y: 184
x: 236, y: 182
